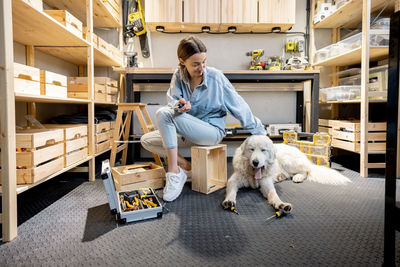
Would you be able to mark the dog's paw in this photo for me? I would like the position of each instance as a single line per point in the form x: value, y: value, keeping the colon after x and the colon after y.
x: 287, y: 207
x: 227, y: 204
x: 280, y: 177
x: 298, y: 178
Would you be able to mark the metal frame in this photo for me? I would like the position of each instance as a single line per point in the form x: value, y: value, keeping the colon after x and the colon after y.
x: 392, y: 114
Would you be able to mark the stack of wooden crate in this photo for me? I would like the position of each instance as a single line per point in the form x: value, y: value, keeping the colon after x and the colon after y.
x: 346, y: 134
x: 105, y: 89
x: 40, y: 154
x: 103, y: 136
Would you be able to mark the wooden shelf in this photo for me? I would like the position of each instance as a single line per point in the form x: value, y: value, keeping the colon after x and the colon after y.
x: 354, y: 57
x: 33, y: 27
x: 23, y: 187
x: 78, y: 55
x: 350, y: 14
x: 101, y: 16
x: 356, y: 101
x: 97, y: 154
x: 48, y: 99
x: 104, y: 102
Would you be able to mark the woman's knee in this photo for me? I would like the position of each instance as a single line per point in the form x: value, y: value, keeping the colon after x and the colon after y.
x: 164, y: 114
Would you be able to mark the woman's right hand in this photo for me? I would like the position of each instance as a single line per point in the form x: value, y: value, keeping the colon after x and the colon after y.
x: 186, y: 105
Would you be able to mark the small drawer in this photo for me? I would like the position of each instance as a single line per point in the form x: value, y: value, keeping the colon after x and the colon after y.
x: 75, y: 156
x: 75, y: 144
x: 34, y: 138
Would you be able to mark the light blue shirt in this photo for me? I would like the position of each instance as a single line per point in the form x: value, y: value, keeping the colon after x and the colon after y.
x: 212, y: 99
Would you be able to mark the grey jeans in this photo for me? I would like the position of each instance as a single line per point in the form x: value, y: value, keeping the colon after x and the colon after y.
x: 179, y: 130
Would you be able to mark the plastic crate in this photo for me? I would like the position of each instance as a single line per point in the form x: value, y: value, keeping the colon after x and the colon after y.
x: 318, y: 151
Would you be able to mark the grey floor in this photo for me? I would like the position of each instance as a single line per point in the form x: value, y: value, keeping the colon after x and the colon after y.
x: 67, y: 221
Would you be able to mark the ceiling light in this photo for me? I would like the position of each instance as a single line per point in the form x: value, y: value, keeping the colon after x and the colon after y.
x: 160, y: 28
x: 205, y: 29
x: 276, y: 29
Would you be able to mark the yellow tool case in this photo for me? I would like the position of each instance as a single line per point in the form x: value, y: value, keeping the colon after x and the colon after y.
x: 133, y: 205
x: 318, y: 150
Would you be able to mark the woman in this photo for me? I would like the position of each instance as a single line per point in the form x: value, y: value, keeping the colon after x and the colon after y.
x: 199, y: 98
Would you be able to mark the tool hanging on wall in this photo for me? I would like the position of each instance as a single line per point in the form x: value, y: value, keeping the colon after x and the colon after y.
x: 134, y: 24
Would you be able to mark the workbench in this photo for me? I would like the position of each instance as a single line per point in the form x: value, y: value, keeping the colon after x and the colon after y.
x: 141, y: 80
x: 159, y: 75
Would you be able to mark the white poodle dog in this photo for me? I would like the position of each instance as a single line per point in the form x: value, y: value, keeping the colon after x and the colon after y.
x: 259, y: 163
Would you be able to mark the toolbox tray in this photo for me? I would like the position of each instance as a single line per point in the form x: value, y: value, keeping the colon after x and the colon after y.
x: 115, y: 206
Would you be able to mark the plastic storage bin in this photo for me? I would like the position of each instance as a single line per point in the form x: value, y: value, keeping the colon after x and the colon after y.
x: 340, y: 93
x: 381, y: 23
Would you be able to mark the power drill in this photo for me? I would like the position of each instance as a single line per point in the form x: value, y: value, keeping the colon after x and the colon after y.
x: 256, y: 63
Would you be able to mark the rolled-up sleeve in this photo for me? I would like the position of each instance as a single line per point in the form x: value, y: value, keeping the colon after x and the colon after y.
x: 236, y: 105
x: 174, y: 92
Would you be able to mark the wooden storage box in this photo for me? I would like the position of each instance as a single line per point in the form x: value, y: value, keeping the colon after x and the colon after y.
x: 324, y: 127
x: 103, y: 136
x: 346, y: 135
x: 137, y: 176
x: 209, y: 171
x: 26, y: 79
x: 43, y: 156
x: 75, y: 141
x: 53, y: 84
x: 77, y: 89
x: 73, y: 24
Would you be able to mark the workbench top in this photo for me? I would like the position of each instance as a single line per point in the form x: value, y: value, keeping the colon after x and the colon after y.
x: 170, y: 71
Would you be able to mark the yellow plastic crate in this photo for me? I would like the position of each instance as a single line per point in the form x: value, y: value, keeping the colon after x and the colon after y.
x: 318, y: 150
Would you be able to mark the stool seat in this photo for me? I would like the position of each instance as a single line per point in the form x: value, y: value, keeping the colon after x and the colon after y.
x: 209, y: 170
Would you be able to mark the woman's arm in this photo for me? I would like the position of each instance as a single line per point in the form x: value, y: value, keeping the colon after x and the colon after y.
x: 236, y: 105
x: 174, y: 92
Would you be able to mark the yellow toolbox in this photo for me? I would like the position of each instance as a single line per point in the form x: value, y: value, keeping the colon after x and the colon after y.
x: 318, y: 150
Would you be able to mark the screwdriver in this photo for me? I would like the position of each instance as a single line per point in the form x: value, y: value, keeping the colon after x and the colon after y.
x: 233, y: 209
x: 278, y: 214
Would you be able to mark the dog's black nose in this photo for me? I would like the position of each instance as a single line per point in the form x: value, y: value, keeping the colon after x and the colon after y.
x: 255, y: 163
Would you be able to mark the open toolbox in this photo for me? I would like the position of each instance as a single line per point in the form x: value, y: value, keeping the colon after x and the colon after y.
x: 132, y: 205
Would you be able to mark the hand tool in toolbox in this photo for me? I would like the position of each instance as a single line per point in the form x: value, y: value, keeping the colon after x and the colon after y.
x: 132, y: 205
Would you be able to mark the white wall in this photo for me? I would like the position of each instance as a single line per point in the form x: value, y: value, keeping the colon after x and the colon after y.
x: 225, y: 51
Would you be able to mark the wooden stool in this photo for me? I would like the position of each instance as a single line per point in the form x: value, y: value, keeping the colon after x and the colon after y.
x: 209, y: 171
x: 122, y: 127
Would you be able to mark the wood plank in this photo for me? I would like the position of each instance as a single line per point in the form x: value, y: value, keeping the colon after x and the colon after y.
x: 354, y: 57
x: 7, y: 125
x: 78, y: 56
x: 239, y: 11
x: 161, y: 11
x: 42, y: 29
x: 277, y: 12
x: 48, y: 99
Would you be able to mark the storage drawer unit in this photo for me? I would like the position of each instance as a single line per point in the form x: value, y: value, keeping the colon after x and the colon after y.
x: 73, y: 24
x: 53, y: 84
x: 26, y: 79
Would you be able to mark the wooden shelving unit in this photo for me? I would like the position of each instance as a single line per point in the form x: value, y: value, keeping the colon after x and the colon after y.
x: 349, y: 16
x: 37, y: 30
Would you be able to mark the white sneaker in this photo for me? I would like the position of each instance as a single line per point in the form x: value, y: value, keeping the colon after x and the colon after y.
x: 174, y: 184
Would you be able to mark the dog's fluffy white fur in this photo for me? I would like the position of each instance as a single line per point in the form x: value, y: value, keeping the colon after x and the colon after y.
x: 259, y: 163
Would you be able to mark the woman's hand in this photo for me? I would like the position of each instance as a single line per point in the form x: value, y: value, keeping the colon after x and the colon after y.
x: 186, y: 105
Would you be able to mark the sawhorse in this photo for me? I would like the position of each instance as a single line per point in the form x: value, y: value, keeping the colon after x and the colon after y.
x: 122, y: 127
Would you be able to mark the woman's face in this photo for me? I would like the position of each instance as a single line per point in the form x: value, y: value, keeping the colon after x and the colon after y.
x: 195, y: 64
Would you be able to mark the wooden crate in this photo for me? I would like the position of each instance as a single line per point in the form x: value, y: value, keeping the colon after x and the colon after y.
x: 101, y: 147
x: 43, y: 156
x: 102, y: 126
x: 53, y: 84
x: 26, y: 79
x: 73, y: 24
x: 103, y: 136
x: 209, y: 171
x: 80, y: 90
x: 136, y: 176
x: 346, y: 135
x: 324, y: 127
x: 75, y: 141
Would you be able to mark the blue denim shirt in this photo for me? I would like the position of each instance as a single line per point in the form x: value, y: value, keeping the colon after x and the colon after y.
x: 212, y: 99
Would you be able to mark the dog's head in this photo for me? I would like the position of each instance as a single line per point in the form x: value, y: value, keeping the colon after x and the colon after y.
x: 259, y: 152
